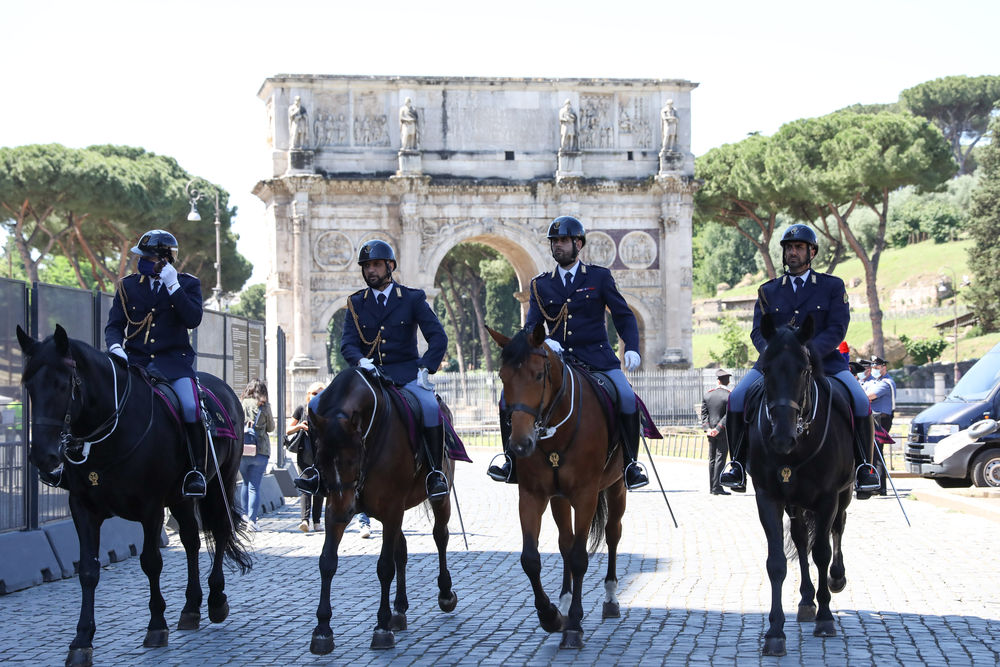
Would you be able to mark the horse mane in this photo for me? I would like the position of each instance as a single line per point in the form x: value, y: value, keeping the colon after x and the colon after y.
x: 516, y: 351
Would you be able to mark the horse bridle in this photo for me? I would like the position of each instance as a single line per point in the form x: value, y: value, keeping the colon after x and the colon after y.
x: 801, y: 425
x: 67, y: 441
x: 359, y: 481
x: 542, y: 431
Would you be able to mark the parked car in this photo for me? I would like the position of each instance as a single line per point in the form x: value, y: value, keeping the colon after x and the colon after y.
x: 955, y: 442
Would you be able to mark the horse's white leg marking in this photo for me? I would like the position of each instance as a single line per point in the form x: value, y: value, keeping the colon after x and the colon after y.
x: 610, y: 588
x: 564, y: 601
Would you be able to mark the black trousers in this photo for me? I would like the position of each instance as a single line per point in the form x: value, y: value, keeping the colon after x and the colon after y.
x: 312, y: 505
x: 718, y: 447
x: 885, y: 421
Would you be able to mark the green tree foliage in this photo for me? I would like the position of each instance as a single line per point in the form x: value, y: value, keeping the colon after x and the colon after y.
x: 984, y: 228
x: 960, y: 106
x: 724, y: 257
x: 462, y: 304
x: 923, y: 350
x: 335, y: 361
x: 90, y: 206
x: 252, y: 303
x: 735, y: 345
x: 503, y: 312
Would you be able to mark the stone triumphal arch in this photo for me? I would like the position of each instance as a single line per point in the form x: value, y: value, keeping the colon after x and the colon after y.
x: 426, y: 163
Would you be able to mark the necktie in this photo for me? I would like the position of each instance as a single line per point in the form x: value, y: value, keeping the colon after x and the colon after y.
x: 797, y: 282
x: 154, y: 286
x: 381, y: 300
x: 569, y: 280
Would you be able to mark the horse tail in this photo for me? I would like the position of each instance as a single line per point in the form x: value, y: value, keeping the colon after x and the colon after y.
x: 808, y: 520
x: 221, y: 518
x: 598, y: 523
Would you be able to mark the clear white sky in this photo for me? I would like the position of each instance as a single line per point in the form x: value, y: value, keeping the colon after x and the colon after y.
x: 180, y: 78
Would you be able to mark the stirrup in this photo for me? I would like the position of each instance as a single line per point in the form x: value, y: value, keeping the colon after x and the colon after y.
x: 642, y: 471
x: 53, y: 478
x: 499, y: 477
x: 427, y: 484
x: 308, y: 485
x: 192, y: 476
x: 735, y: 468
x: 873, y: 486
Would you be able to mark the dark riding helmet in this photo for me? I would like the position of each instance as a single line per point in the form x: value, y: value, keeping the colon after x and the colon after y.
x: 156, y: 243
x: 802, y: 233
x: 567, y: 225
x: 377, y: 250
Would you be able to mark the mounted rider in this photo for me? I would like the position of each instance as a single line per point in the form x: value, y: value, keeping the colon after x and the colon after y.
x: 380, y: 332
x: 148, y: 325
x: 790, y: 298
x: 572, y: 300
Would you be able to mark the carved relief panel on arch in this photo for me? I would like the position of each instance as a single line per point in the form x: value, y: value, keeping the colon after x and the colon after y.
x: 596, y: 121
x: 371, y: 122
x: 331, y: 124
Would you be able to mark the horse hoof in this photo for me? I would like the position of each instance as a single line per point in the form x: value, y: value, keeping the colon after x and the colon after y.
x: 774, y: 646
x: 218, y: 613
x: 320, y: 644
x: 825, y: 629
x: 156, y: 638
x: 837, y: 585
x: 611, y: 610
x: 572, y: 639
x: 190, y: 620
x: 80, y: 657
x: 382, y: 639
x: 551, y: 620
x: 397, y: 622
x: 807, y: 612
x: 448, y: 604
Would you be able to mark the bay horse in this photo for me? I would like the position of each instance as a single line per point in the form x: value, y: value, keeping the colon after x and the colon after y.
x: 366, y: 457
x: 124, y: 454
x: 562, y: 439
x: 802, y: 463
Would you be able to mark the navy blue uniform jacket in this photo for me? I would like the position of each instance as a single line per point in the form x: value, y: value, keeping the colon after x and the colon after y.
x: 389, y: 333
x: 824, y: 297
x: 154, y: 327
x: 581, y: 327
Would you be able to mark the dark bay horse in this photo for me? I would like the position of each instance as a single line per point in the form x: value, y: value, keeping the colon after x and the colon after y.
x: 802, y: 463
x: 367, y: 462
x: 562, y: 439
x: 131, y: 464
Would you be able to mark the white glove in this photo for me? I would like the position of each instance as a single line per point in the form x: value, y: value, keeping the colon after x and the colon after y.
x: 554, y: 345
x: 367, y: 364
x: 424, y: 380
x: 168, y: 274
x: 632, y: 360
x: 119, y: 351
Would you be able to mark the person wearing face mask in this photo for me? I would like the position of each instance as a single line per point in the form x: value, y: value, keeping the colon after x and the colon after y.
x: 881, y: 390
x: 148, y: 324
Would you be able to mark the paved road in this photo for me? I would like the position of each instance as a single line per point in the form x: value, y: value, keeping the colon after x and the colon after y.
x: 697, y: 594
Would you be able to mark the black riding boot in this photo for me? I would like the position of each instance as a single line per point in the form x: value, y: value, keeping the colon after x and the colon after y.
x: 195, y: 484
x: 437, y: 482
x: 506, y: 472
x: 734, y: 476
x: 635, y: 476
x: 866, y: 479
x: 308, y: 481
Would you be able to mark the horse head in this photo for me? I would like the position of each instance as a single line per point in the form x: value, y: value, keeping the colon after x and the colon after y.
x: 342, y: 418
x: 53, y: 385
x: 787, y: 364
x: 532, y: 377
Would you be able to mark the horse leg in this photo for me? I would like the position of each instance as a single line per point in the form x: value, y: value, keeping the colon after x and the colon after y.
x: 838, y: 573
x: 322, y: 635
x: 612, y: 533
x: 383, y: 636
x: 397, y: 621
x: 214, y: 517
x: 152, y: 565
x: 442, y: 513
x: 578, y: 561
x: 800, y: 536
x: 821, y: 556
x: 530, y: 509
x: 187, y: 528
x: 88, y: 530
x: 562, y: 513
x: 770, y: 513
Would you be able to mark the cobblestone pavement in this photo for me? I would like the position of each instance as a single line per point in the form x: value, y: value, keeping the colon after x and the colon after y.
x: 697, y: 594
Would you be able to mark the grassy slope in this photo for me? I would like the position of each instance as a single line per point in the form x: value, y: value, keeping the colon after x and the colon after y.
x: 919, y: 263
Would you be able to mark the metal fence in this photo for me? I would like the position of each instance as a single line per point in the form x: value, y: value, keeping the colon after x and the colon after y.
x: 228, y: 346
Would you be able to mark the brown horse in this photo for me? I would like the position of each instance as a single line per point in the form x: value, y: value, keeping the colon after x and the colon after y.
x: 562, y: 438
x: 366, y: 463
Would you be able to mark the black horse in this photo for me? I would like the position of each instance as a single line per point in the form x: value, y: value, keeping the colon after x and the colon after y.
x: 801, y: 462
x: 125, y: 455
x: 367, y: 463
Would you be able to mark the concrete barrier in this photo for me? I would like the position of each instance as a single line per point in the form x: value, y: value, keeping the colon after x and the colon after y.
x: 284, y: 477
x: 26, y: 560
x: 120, y: 539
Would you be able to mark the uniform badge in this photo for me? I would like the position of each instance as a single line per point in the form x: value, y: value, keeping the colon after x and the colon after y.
x: 845, y: 297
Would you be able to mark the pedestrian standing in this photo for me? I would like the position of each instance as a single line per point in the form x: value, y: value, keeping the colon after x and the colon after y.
x: 713, y: 421
x: 881, y: 390
x: 257, y: 411
x: 311, y: 504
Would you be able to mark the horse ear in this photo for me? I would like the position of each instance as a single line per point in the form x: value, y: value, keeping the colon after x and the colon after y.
x: 62, y: 340
x: 498, y: 337
x: 805, y: 332
x: 28, y: 343
x: 537, y: 336
x: 767, y: 326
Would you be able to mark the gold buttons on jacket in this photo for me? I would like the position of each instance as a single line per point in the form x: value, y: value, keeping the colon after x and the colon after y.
x: 152, y: 340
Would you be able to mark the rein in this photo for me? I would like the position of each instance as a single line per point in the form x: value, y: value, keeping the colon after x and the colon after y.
x: 786, y: 471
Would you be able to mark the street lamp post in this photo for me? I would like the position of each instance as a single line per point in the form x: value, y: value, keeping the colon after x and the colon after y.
x: 954, y: 290
x: 194, y: 196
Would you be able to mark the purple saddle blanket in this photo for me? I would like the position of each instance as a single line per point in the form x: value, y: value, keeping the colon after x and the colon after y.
x: 453, y: 444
